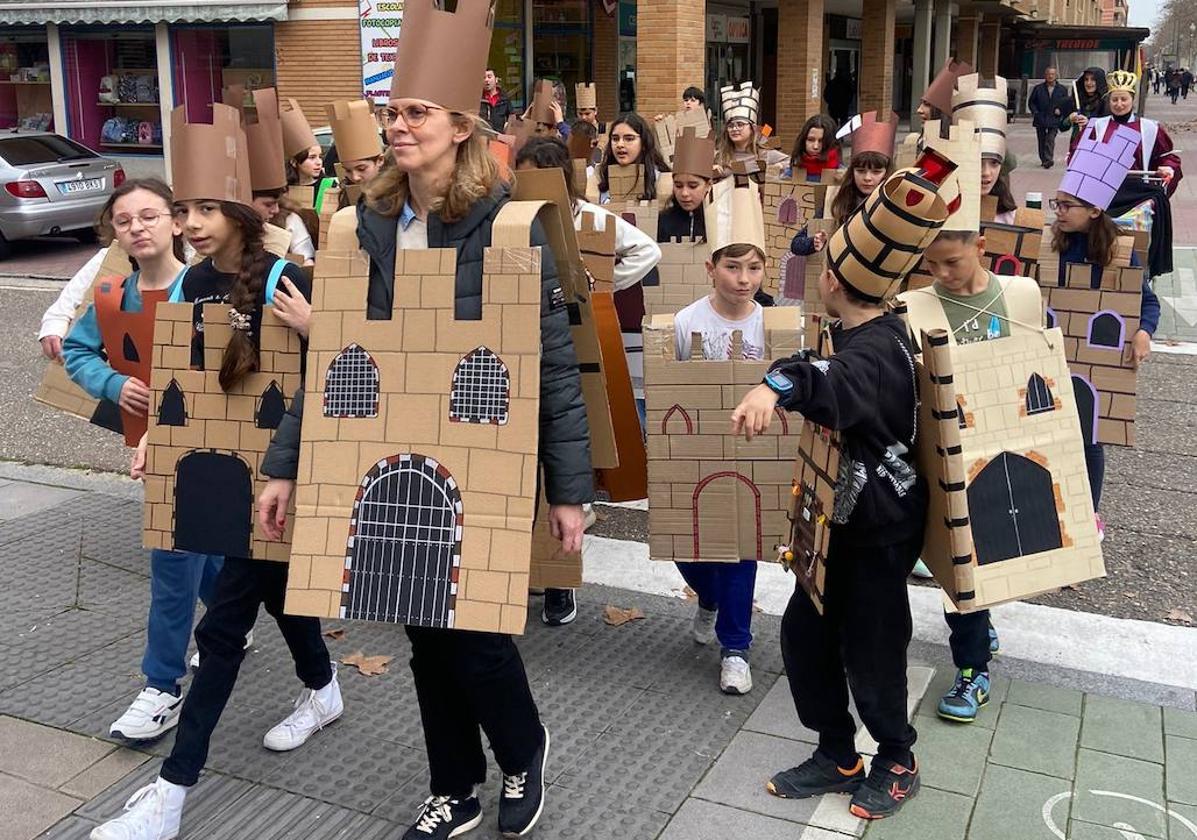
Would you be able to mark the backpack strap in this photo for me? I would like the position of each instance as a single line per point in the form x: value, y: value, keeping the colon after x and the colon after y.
x: 276, y: 271
x: 176, y: 288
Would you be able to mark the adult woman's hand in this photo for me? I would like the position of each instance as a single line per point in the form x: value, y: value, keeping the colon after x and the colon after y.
x: 566, y: 524
x: 272, y: 506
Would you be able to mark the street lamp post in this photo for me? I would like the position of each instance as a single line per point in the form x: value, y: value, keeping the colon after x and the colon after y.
x: 1192, y: 32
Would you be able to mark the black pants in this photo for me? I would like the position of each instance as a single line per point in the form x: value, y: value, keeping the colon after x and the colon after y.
x: 242, y: 586
x: 1047, y: 144
x: 864, y: 631
x: 969, y: 639
x: 1095, y: 464
x: 467, y: 682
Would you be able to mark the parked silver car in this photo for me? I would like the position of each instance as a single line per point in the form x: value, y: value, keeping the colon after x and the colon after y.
x: 51, y: 185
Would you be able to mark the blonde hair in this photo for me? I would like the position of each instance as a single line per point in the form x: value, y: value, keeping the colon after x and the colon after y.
x: 475, y: 175
x: 725, y: 150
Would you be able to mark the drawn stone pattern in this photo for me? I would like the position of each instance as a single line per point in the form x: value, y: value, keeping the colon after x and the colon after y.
x: 413, y: 516
x: 1010, y: 513
x: 812, y: 499
x: 788, y: 207
x: 714, y: 496
x: 682, y: 276
x: 1104, y: 379
x: 205, y: 446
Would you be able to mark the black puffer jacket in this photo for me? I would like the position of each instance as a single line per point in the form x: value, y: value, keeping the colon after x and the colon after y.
x: 564, y: 434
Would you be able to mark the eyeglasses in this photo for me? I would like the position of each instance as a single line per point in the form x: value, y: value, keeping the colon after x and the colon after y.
x: 737, y: 125
x: 1062, y: 206
x: 413, y: 116
x: 148, y: 219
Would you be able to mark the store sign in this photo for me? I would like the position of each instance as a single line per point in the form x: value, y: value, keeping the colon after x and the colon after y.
x: 380, y: 22
x: 738, y: 30
x: 717, y: 28
x: 852, y: 29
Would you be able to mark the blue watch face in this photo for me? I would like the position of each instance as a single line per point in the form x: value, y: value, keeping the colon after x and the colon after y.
x: 778, y: 381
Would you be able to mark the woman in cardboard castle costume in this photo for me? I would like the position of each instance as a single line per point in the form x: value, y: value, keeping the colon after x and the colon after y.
x: 1083, y: 232
x: 214, y: 208
x: 108, y: 353
x: 867, y: 393
x: 740, y: 139
x: 443, y: 190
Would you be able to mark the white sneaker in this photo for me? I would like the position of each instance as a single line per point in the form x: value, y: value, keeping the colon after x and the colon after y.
x: 735, y: 677
x: 590, y: 516
x: 152, y: 813
x: 920, y: 570
x: 314, y: 710
x: 704, y: 625
x: 249, y: 642
x: 153, y: 714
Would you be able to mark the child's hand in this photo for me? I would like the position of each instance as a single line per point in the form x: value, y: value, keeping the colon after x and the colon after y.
x: 272, y: 506
x: 137, y: 468
x: 52, y: 348
x: 292, y: 308
x: 134, y: 397
x: 754, y: 413
x: 820, y: 239
x: 1140, y: 347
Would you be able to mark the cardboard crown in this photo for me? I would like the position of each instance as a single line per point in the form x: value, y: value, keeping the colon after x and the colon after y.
x: 882, y: 241
x: 1097, y: 168
x: 542, y: 103
x: 210, y: 160
x: 740, y: 102
x: 297, y: 132
x: 441, y: 55
x: 694, y: 155
x: 355, y: 131
x: 1123, y: 80
x: 585, y: 96
x: 939, y: 93
x: 519, y: 130
x: 263, y: 136
x: 733, y: 210
x: 869, y: 135
x: 985, y: 108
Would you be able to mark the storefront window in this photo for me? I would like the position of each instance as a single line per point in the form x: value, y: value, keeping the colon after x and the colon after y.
x: 507, y: 50
x: 112, y: 88
x: 561, y: 42
x: 25, y: 79
x: 207, y: 59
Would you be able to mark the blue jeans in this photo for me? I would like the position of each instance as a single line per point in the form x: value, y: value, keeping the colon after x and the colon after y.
x: 177, y: 578
x: 1095, y: 464
x: 642, y: 413
x: 727, y: 587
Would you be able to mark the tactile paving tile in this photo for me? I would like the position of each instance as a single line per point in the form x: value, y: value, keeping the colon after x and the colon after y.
x: 112, y: 589
x: 68, y: 636
x: 267, y: 813
x: 72, y: 828
x: 205, y: 801
x: 573, y: 814
x: 58, y: 697
x: 114, y: 537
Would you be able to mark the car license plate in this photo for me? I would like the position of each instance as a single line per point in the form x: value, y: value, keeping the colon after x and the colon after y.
x: 85, y: 185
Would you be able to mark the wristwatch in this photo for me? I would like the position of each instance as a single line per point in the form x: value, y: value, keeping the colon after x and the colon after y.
x: 779, y: 383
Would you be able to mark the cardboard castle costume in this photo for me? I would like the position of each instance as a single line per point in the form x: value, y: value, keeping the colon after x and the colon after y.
x: 354, y: 129
x: 985, y: 108
x: 263, y: 136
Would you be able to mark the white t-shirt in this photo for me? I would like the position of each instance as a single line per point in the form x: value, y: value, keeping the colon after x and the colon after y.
x: 717, y: 331
x: 301, y: 240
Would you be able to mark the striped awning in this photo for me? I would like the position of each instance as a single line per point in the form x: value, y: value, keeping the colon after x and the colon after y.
x: 35, y: 12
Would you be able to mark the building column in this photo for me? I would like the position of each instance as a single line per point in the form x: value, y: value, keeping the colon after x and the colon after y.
x: 944, y: 43
x: 968, y: 28
x: 166, y: 91
x: 606, y: 64
x: 987, y: 63
x: 670, y: 53
x: 921, y: 65
x: 877, y: 57
x: 800, y: 79
x: 57, y: 78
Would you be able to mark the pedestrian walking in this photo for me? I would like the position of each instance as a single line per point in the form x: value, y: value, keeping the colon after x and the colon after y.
x: 1049, y: 103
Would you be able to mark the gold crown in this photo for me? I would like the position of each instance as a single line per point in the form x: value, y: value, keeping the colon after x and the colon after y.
x: 1122, y: 80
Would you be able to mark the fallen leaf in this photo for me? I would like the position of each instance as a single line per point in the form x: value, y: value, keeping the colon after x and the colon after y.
x: 1182, y: 616
x: 369, y: 666
x: 617, y: 616
x: 689, y: 594
x: 335, y: 633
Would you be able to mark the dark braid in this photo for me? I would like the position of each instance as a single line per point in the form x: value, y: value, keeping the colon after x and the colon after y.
x: 241, y: 354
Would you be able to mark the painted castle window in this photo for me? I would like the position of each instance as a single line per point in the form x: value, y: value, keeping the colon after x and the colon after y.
x: 683, y: 416
x: 130, y: 350
x: 793, y: 276
x: 961, y: 414
x: 405, y: 544
x: 1086, y: 407
x: 1039, y: 396
x: 787, y: 213
x: 1012, y: 508
x: 1106, y: 329
x: 481, y: 389
x: 218, y: 522
x: 1007, y: 265
x: 722, y: 489
x: 351, y: 386
x: 1050, y: 315
x: 172, y: 411
x: 271, y: 407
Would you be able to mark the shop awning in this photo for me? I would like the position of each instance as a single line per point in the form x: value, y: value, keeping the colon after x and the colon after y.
x: 35, y: 12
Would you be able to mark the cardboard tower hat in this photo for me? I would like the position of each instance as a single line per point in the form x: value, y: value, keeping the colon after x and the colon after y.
x: 960, y: 189
x: 354, y: 129
x: 869, y: 135
x: 542, y: 103
x: 694, y: 154
x: 939, y: 93
x: 884, y: 240
x: 441, y: 55
x: 1123, y: 80
x: 740, y: 102
x: 210, y: 160
x: 297, y: 131
x: 733, y: 210
x: 985, y: 108
x: 263, y: 136
x: 1097, y: 169
x: 585, y: 96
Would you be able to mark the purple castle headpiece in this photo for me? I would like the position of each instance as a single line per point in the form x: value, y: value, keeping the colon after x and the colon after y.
x: 1097, y: 169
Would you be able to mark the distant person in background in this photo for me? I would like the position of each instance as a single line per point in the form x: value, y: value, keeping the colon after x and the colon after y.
x: 1049, y: 103
x: 1186, y: 79
x: 1173, y: 85
x: 495, y: 107
x: 838, y: 94
x: 1089, y: 98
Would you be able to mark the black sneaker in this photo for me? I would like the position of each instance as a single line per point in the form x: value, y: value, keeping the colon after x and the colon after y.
x: 559, y: 607
x: 816, y: 776
x: 523, y: 794
x: 441, y: 818
x: 888, y: 786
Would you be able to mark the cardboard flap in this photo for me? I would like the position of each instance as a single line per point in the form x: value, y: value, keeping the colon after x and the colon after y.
x: 210, y: 160
x: 297, y: 131
x: 355, y: 130
x: 264, y: 138
x: 441, y: 55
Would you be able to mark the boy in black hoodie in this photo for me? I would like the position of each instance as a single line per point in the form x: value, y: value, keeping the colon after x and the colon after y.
x: 867, y: 392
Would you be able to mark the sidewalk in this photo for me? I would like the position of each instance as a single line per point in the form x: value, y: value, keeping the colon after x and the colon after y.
x: 644, y: 744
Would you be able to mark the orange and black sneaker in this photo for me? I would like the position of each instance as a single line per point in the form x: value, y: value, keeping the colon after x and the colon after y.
x: 888, y: 786
x: 816, y: 776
